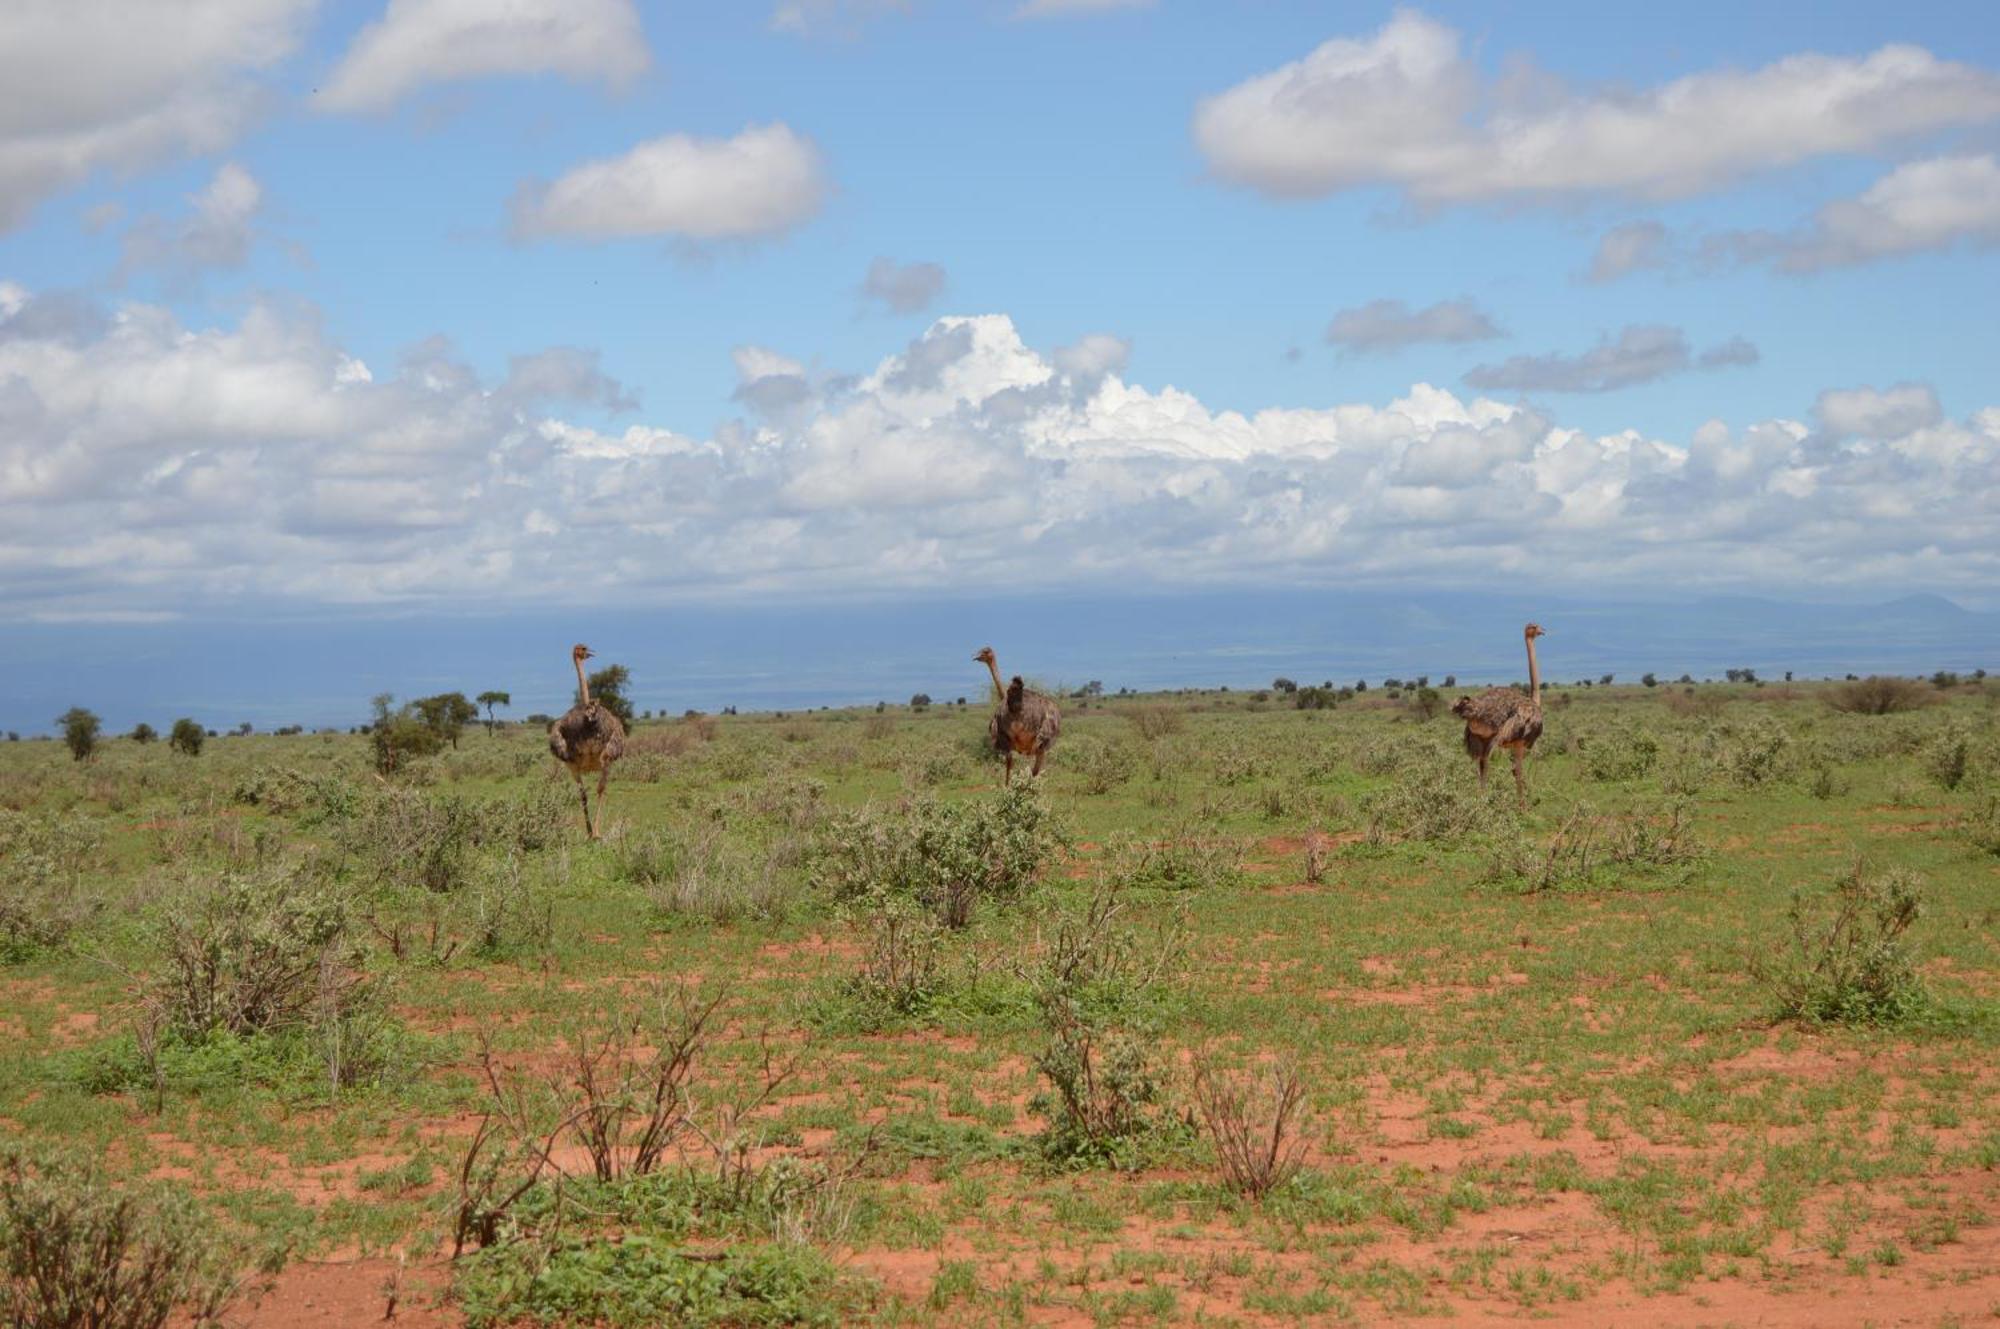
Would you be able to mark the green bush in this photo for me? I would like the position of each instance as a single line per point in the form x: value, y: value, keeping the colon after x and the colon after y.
x: 43, y: 858
x: 187, y: 738
x: 1846, y: 960
x: 944, y: 856
x: 78, y: 1253
x: 1947, y: 758
x: 252, y: 953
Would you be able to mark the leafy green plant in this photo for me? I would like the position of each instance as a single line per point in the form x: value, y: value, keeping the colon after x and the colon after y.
x: 1846, y: 959
x: 187, y: 737
x: 945, y: 856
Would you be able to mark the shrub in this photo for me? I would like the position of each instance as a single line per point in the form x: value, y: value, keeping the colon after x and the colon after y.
x: 1878, y: 694
x: 80, y: 729
x: 400, y: 735
x: 1846, y: 960
x: 1192, y: 855
x: 902, y: 969
x: 143, y: 733
x: 1426, y: 703
x: 1981, y: 825
x: 1103, y: 766
x: 1754, y: 752
x: 1155, y: 721
x: 1624, y: 757
x: 1092, y: 981
x: 187, y: 738
x: 1948, y: 756
x: 77, y: 1253
x: 248, y: 955
x: 693, y: 873
x: 1431, y: 798
x: 944, y: 856
x: 1588, y: 848
x: 43, y: 858
x: 1255, y: 1143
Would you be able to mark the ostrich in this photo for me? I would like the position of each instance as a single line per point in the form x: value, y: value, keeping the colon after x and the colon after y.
x: 1024, y: 722
x: 1504, y: 718
x: 588, y: 738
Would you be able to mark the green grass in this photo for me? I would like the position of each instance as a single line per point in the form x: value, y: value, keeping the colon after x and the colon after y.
x: 1498, y: 1014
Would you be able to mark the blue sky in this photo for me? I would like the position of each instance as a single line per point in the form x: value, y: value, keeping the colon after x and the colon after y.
x: 1149, y: 246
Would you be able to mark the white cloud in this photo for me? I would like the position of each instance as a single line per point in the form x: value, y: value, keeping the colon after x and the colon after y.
x: 812, y: 18
x: 147, y: 465
x: 765, y: 180
x: 95, y: 85
x: 1642, y: 353
x: 1064, y: 8
x: 1386, y: 325
x: 1404, y: 109
x: 419, y: 42
x: 1919, y: 207
x: 1891, y: 413
x: 217, y: 233
x: 903, y: 287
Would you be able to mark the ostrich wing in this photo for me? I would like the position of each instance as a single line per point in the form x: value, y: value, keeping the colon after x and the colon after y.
x: 1491, y: 710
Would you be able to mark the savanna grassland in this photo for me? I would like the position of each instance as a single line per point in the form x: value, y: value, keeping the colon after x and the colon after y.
x: 828, y: 1029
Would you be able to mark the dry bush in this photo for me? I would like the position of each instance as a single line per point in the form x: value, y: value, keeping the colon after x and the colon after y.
x: 1694, y: 705
x: 878, y: 727
x: 1254, y: 1136
x: 669, y: 740
x: 1318, y: 849
x: 1155, y: 721
x: 1879, y: 694
x: 1587, y: 845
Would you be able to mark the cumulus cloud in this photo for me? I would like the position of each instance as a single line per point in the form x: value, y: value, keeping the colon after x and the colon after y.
x: 1386, y: 325
x: 1865, y: 413
x: 1922, y: 206
x: 564, y: 373
x: 147, y: 465
x: 419, y: 42
x: 903, y: 287
x: 1633, y: 247
x: 765, y: 180
x: 1405, y: 109
x: 97, y: 85
x: 217, y: 233
x: 1642, y: 353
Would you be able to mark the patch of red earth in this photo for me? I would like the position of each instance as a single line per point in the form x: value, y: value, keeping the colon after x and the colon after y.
x: 337, y: 1294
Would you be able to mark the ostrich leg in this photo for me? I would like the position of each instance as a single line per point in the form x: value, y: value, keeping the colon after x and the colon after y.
x: 1007, y: 779
x: 1484, y: 752
x: 584, y: 796
x: 1039, y: 754
x: 1520, y: 779
x: 603, y: 779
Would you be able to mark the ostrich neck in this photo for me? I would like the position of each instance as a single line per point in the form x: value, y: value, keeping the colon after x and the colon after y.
x: 1534, y: 675
x: 582, y: 684
x: 999, y: 688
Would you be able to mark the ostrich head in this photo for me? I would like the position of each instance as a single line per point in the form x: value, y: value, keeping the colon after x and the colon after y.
x: 1533, y: 631
x: 984, y: 655
x: 580, y: 653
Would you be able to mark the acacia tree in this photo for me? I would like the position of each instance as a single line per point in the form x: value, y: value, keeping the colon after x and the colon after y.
x: 607, y: 689
x: 80, y: 729
x: 491, y: 698
x: 187, y: 737
x: 143, y: 733
x: 447, y: 714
